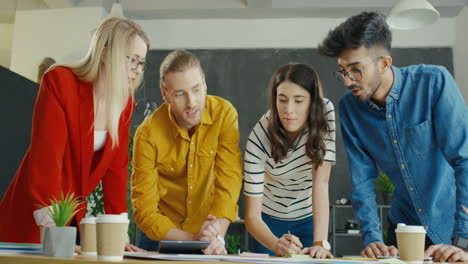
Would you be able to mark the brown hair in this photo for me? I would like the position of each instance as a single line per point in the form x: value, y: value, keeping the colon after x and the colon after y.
x: 177, y: 61
x: 43, y: 67
x: 317, y: 124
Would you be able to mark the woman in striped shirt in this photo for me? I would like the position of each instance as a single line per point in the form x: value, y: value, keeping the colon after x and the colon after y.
x: 287, y: 165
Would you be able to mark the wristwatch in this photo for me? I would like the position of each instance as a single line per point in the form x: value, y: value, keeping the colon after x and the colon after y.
x: 322, y: 243
x: 460, y: 242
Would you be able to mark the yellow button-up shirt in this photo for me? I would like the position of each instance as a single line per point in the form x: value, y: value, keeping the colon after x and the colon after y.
x: 178, y: 180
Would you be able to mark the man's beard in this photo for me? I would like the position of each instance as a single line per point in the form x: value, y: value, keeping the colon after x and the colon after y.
x: 363, y: 98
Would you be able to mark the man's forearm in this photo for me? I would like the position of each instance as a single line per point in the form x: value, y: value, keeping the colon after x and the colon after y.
x: 224, y: 224
x: 178, y: 234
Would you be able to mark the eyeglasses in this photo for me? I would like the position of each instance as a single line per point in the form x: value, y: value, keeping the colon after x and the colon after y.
x: 354, y: 75
x: 135, y: 63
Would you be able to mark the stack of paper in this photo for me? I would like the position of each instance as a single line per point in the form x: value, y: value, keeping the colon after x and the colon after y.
x: 16, y: 248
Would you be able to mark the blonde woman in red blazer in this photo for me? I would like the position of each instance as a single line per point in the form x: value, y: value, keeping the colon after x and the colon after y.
x: 74, y: 104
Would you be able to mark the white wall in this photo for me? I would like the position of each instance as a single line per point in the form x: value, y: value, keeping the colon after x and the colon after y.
x: 63, y: 34
x: 274, y: 33
x: 439, y: 34
x: 6, y: 39
x: 460, y: 52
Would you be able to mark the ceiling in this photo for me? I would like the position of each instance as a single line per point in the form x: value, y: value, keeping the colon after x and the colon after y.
x: 205, y: 9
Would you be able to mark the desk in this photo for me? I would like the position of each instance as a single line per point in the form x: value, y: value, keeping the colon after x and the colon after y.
x: 39, y: 259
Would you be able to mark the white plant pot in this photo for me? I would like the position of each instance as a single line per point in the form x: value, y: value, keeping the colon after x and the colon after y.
x: 59, y: 241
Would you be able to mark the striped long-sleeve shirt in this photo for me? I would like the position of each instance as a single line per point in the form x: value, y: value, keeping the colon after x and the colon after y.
x: 286, y: 187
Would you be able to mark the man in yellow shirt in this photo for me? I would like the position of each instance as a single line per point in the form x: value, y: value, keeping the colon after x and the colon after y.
x: 186, y: 161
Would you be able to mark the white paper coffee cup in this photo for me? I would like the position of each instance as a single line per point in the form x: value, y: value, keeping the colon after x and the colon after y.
x: 411, y: 240
x: 111, y: 234
x: 88, y: 236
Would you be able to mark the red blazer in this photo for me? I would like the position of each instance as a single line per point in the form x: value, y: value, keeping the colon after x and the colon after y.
x: 61, y: 157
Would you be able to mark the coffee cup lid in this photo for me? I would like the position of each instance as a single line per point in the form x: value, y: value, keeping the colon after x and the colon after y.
x: 88, y: 220
x: 402, y: 228
x: 110, y: 218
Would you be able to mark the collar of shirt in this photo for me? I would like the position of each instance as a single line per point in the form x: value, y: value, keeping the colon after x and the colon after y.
x: 394, y: 93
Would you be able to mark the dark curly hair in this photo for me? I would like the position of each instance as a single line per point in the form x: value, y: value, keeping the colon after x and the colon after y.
x: 317, y: 123
x: 368, y: 29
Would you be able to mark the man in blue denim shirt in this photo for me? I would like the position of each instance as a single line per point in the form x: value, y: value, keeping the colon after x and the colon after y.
x: 411, y: 123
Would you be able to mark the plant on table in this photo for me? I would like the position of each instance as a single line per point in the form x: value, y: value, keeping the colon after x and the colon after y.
x: 59, y: 241
x: 63, y: 210
x: 233, y: 244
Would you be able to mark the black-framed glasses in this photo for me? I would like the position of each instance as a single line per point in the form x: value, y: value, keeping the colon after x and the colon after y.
x: 135, y: 63
x: 354, y: 75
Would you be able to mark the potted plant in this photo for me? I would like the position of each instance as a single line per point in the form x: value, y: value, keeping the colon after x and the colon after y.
x: 385, y: 186
x: 59, y: 240
x: 233, y: 244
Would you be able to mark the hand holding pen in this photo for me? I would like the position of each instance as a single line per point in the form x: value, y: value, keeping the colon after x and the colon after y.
x: 287, y: 244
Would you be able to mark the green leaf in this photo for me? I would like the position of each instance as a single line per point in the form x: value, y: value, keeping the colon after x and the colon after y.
x: 63, y: 210
x: 383, y: 183
x: 233, y: 243
x: 96, y: 201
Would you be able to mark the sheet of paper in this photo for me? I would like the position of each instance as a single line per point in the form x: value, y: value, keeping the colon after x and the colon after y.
x: 391, y: 261
x: 293, y: 260
x: 149, y: 255
x: 251, y: 254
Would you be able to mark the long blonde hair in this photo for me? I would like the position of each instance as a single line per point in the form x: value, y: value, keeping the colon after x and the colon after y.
x: 106, y: 60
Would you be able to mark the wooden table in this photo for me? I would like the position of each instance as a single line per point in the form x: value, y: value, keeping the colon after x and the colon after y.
x: 39, y: 259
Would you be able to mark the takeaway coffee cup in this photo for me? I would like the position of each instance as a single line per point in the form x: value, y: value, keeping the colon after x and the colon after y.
x: 410, y: 240
x: 88, y: 236
x: 111, y: 236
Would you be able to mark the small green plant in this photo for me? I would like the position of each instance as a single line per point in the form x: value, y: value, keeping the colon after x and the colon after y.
x: 63, y: 210
x: 96, y: 201
x: 385, y: 236
x: 233, y: 243
x: 383, y: 183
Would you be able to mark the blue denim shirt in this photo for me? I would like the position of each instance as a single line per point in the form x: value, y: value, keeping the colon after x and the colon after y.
x: 420, y: 140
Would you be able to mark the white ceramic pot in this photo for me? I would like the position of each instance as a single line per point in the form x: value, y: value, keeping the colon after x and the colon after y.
x: 59, y: 241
